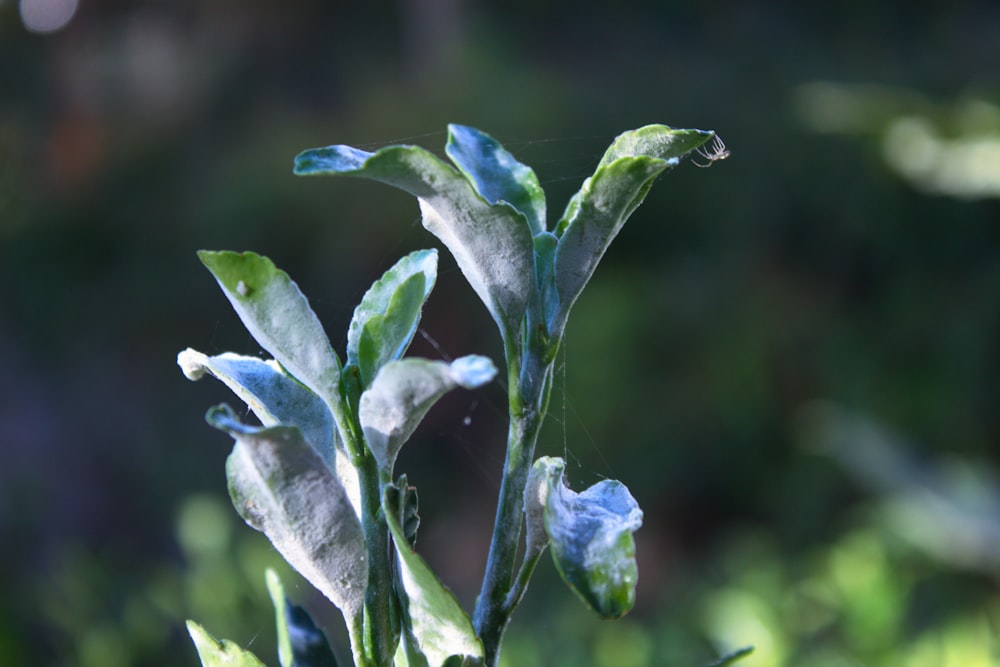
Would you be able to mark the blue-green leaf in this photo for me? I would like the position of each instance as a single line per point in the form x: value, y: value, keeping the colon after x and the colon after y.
x: 278, y: 316
x: 491, y: 243
x: 435, y: 627
x: 387, y: 317
x: 591, y: 538
x: 281, y: 487
x: 272, y: 394
x: 497, y: 174
x: 598, y: 211
x: 300, y: 642
x: 546, y: 245
x: 403, y: 392
x: 215, y: 653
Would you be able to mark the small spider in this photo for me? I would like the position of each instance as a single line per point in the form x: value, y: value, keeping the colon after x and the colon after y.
x: 718, y: 151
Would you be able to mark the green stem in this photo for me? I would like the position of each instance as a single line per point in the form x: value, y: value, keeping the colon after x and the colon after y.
x: 379, y: 632
x: 521, y: 583
x: 528, y: 388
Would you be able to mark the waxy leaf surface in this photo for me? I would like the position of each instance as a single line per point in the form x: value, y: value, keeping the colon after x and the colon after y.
x: 403, y: 392
x: 491, y: 243
x: 591, y: 538
x: 282, y: 487
x: 387, y: 317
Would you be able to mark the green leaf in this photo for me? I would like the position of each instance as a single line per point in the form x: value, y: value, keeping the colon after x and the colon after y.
x: 279, y: 318
x: 591, y: 538
x: 215, y: 653
x: 491, y: 243
x: 300, y: 642
x: 598, y: 211
x: 273, y: 395
x: 387, y: 317
x: 403, y: 392
x: 659, y: 141
x: 434, y: 625
x: 497, y: 174
x: 731, y: 658
x: 281, y: 487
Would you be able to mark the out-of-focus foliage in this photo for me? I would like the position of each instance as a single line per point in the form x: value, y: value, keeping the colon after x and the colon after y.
x: 950, y: 149
x: 811, y: 265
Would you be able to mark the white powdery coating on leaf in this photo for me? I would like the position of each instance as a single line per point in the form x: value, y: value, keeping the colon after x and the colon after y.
x: 291, y: 496
x: 496, y: 262
x: 192, y: 364
x: 473, y: 371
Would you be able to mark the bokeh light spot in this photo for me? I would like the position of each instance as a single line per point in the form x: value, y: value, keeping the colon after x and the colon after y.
x: 47, y: 16
x: 203, y: 525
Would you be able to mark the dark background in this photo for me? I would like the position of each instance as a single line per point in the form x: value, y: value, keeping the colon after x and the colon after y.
x: 792, y: 359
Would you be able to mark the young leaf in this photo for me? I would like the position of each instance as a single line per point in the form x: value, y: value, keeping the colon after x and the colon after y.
x: 597, y: 212
x: 278, y: 316
x: 403, y: 392
x: 300, y: 642
x: 491, y: 243
x: 273, y: 395
x: 591, y: 538
x: 659, y: 141
x: 434, y: 624
x: 281, y: 487
x: 387, y: 317
x: 546, y: 245
x: 497, y: 174
x: 215, y: 653
x: 407, y: 511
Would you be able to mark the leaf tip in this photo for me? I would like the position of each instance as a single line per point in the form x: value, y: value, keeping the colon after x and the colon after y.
x: 224, y: 418
x: 192, y: 364
x: 473, y: 371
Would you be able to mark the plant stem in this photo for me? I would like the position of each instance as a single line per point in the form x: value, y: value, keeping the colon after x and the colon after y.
x: 528, y: 388
x: 379, y: 632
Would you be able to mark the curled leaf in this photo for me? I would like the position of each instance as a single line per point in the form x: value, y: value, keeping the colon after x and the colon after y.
x: 281, y: 487
x: 403, y: 392
x: 536, y: 493
x: 591, y: 538
x: 598, y: 211
x: 273, y: 395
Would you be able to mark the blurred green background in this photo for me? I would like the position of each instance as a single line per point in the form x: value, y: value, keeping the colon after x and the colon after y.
x: 792, y: 359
